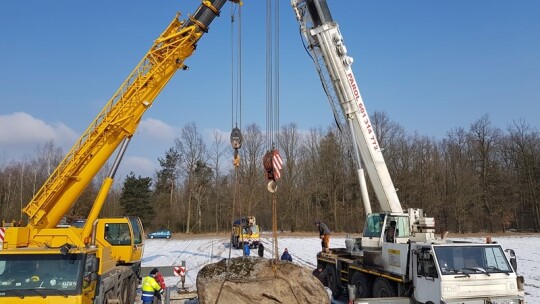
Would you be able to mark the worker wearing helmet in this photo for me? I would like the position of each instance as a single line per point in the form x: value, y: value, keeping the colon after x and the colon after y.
x: 150, y: 286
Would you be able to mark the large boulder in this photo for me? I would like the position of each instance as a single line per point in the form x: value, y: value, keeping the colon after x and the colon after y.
x: 258, y: 280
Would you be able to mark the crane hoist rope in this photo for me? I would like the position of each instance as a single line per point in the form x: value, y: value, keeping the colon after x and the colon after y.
x: 236, y: 105
x: 236, y: 86
x: 272, y: 160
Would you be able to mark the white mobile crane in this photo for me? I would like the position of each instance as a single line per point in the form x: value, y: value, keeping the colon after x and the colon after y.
x: 398, y: 257
x: 99, y: 263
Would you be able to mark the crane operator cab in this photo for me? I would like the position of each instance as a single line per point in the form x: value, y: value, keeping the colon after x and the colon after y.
x: 385, y: 227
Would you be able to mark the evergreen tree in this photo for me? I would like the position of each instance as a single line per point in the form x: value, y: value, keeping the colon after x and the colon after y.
x: 165, y: 187
x: 168, y: 174
x: 135, y: 199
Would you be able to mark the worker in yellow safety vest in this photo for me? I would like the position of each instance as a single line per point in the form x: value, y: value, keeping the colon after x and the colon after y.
x: 150, y: 286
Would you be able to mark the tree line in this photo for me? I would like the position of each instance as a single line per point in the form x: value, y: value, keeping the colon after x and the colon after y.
x: 476, y: 179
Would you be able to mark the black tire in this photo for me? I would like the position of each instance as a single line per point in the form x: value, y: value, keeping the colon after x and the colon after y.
x: 108, y: 298
x: 132, y: 291
x: 363, y: 284
x: 382, y: 288
x: 125, y: 291
x: 333, y: 280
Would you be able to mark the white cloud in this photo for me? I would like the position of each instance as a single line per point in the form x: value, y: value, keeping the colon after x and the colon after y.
x: 152, y: 139
x: 139, y: 165
x: 157, y: 129
x: 209, y: 135
x: 20, y: 133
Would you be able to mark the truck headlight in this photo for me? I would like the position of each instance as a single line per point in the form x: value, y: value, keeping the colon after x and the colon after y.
x: 504, y: 301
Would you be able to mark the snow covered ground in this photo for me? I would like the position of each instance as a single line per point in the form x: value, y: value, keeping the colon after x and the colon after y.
x: 200, y: 251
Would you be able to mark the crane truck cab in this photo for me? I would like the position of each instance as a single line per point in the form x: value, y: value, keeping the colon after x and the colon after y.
x: 463, y: 273
x: 56, y: 263
x: 245, y: 231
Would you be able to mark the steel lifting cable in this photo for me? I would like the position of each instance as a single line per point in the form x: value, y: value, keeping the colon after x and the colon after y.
x: 236, y: 85
x: 276, y: 71
x: 272, y: 108
x: 269, y: 128
x: 236, y: 110
x: 276, y: 109
x: 272, y: 73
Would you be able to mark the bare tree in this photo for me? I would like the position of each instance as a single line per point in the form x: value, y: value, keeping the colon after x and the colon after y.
x: 311, y: 179
x: 192, y: 149
x: 460, y: 181
x: 218, y: 150
x: 522, y: 152
x: 484, y: 139
x: 201, y: 180
x: 290, y: 145
x: 331, y: 163
x: 251, y: 170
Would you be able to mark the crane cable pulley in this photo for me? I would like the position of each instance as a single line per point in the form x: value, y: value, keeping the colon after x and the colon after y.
x: 236, y: 143
x: 272, y: 162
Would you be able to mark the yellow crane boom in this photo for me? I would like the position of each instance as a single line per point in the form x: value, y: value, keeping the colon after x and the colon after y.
x: 119, y: 118
x: 101, y: 262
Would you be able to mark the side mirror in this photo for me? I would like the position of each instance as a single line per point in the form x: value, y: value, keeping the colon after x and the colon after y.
x: 513, y: 259
x: 95, y: 266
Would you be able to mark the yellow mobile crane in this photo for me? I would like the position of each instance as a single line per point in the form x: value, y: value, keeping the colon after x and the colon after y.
x: 99, y: 263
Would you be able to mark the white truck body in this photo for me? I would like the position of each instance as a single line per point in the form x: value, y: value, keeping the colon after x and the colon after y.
x: 392, y: 262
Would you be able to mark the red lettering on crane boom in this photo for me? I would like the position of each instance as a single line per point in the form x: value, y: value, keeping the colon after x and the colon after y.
x: 362, y: 109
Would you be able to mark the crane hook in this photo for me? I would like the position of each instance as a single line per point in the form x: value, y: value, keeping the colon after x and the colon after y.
x: 272, y: 186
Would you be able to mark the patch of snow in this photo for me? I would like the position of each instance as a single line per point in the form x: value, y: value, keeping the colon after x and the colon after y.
x: 198, y: 252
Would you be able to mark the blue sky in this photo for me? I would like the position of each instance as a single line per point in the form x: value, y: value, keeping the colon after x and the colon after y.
x: 430, y: 65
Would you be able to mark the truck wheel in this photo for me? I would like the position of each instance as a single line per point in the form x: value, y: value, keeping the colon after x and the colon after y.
x: 363, y: 285
x: 333, y: 282
x: 133, y: 283
x: 382, y: 288
x: 109, y: 298
x: 125, y: 291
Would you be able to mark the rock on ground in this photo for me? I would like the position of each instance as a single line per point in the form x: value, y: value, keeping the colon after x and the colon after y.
x: 258, y: 280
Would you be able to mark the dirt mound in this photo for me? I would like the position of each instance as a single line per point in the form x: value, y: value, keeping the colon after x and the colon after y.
x: 257, y: 280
